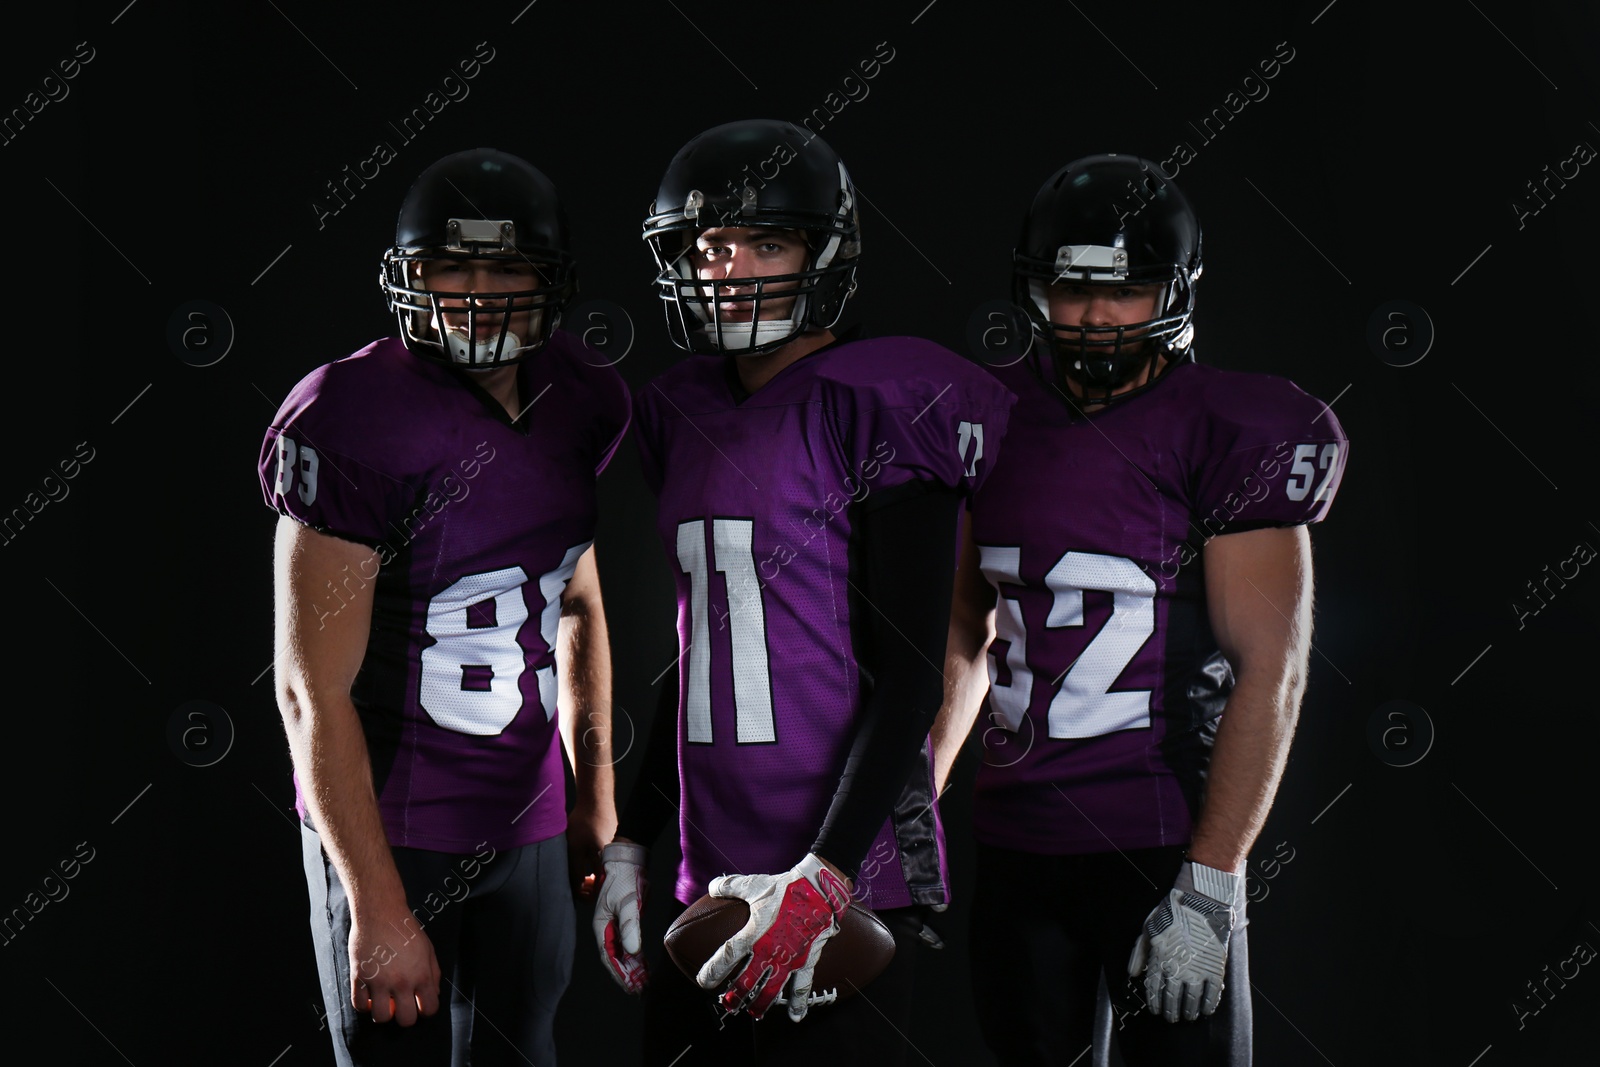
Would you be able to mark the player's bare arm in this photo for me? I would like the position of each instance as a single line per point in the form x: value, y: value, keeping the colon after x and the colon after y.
x: 966, y: 672
x: 392, y: 964
x: 1258, y: 588
x: 583, y: 656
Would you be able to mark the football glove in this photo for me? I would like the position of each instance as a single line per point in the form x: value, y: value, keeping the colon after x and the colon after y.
x: 616, y: 914
x: 792, y: 916
x: 1183, y: 949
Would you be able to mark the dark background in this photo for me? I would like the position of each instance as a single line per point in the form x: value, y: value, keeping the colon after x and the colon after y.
x: 1419, y: 901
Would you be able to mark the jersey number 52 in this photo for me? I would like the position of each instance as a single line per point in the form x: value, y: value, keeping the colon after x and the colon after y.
x: 1084, y: 705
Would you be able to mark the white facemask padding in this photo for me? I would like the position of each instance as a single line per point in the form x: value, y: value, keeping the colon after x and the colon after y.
x: 484, y: 351
x: 740, y: 337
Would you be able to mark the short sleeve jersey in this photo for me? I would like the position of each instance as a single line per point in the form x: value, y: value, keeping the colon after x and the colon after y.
x: 1106, y: 680
x: 759, y: 498
x: 478, y: 524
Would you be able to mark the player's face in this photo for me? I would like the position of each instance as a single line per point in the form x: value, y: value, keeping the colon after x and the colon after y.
x: 1103, y: 307
x: 743, y: 252
x: 480, y: 276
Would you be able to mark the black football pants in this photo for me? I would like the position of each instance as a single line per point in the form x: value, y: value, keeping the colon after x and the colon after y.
x: 503, y: 932
x: 1045, y: 929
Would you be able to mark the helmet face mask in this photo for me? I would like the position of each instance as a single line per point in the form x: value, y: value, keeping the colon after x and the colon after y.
x: 734, y: 315
x: 471, y: 212
x: 1080, y: 232
x: 810, y: 193
x: 477, y: 329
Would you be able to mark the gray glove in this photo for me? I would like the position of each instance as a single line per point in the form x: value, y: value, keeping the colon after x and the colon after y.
x: 1183, y: 949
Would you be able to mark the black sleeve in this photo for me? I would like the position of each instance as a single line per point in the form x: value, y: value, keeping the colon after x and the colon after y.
x: 655, y: 791
x: 901, y: 608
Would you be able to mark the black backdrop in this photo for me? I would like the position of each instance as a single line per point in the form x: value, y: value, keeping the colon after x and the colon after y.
x: 1439, y: 860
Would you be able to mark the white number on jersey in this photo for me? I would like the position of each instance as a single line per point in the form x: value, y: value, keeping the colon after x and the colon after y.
x: 1010, y: 701
x: 1083, y: 706
x: 471, y: 674
x: 1299, y: 482
x: 306, y: 464
x: 734, y: 559
x: 970, y: 434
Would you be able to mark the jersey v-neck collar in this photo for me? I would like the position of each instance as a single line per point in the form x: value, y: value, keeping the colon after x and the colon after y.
x: 493, y: 407
x: 740, y: 394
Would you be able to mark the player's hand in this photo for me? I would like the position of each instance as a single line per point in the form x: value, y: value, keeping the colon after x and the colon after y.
x: 1183, y: 949
x: 588, y: 827
x: 623, y: 887
x: 792, y: 916
x: 393, y: 971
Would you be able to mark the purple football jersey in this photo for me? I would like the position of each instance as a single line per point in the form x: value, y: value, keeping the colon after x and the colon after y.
x: 1106, y: 681
x: 478, y: 526
x: 756, y: 511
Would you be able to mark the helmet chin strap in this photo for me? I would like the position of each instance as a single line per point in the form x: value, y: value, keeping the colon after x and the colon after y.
x: 482, y: 352
x: 1111, y: 371
x: 741, y: 338
x: 1101, y: 388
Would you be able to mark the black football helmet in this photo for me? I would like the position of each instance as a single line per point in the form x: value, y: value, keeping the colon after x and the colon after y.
x: 721, y: 179
x: 1111, y: 220
x: 479, y: 204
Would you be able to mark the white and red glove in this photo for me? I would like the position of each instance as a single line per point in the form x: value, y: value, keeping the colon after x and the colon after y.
x: 1183, y: 949
x: 616, y: 914
x: 792, y: 916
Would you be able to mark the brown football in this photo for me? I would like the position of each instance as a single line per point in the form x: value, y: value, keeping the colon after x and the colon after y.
x: 854, y: 956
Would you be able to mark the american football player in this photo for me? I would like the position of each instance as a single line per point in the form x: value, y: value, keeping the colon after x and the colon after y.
x: 809, y: 486
x: 1133, y: 607
x: 439, y: 622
